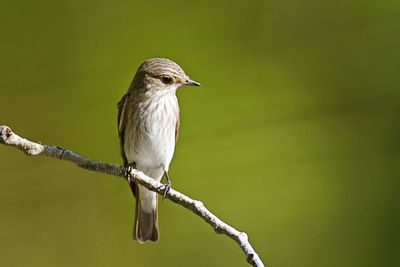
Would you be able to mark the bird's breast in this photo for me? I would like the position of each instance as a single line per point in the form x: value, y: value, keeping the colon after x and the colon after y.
x: 150, y: 131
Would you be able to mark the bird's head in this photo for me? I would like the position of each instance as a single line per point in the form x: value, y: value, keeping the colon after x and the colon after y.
x: 160, y: 74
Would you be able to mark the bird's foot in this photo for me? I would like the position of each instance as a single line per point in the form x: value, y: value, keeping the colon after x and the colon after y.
x: 128, y: 173
x: 167, y: 186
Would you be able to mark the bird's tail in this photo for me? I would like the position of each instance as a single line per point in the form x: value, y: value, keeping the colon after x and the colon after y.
x: 146, y: 216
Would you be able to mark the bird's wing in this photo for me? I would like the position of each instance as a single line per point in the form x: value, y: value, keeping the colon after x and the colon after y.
x: 178, y: 124
x: 122, y: 109
x: 121, y: 124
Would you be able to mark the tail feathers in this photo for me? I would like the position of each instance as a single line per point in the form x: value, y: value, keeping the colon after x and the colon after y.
x: 146, y: 224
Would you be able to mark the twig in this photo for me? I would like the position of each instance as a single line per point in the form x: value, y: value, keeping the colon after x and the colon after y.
x: 7, y: 137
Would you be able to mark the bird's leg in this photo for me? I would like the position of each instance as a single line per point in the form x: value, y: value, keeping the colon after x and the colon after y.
x: 167, y: 185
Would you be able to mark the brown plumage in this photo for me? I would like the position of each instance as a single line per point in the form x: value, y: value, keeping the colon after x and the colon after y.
x: 148, y: 126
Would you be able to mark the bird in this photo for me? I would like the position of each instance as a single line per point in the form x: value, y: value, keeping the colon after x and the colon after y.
x: 148, y: 127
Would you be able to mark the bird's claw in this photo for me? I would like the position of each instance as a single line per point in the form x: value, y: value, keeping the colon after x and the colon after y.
x: 167, y: 187
x: 128, y: 173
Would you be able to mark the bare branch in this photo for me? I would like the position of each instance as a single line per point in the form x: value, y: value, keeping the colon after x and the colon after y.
x: 7, y: 137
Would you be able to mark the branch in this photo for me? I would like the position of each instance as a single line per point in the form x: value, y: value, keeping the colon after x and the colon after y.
x: 7, y: 137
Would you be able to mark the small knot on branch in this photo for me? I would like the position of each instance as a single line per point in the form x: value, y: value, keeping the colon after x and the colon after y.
x: 5, y: 133
x: 250, y: 258
x: 218, y: 229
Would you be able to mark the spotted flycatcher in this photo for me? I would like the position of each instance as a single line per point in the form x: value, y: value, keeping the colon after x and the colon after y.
x: 148, y: 126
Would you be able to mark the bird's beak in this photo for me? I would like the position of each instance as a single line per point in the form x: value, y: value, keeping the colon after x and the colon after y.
x: 191, y: 82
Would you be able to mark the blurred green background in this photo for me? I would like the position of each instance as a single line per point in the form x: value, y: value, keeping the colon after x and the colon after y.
x: 294, y: 136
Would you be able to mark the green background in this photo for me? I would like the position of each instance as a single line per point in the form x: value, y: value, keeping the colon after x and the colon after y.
x: 293, y: 137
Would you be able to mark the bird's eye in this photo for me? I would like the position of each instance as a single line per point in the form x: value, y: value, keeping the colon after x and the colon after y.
x: 166, y: 80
